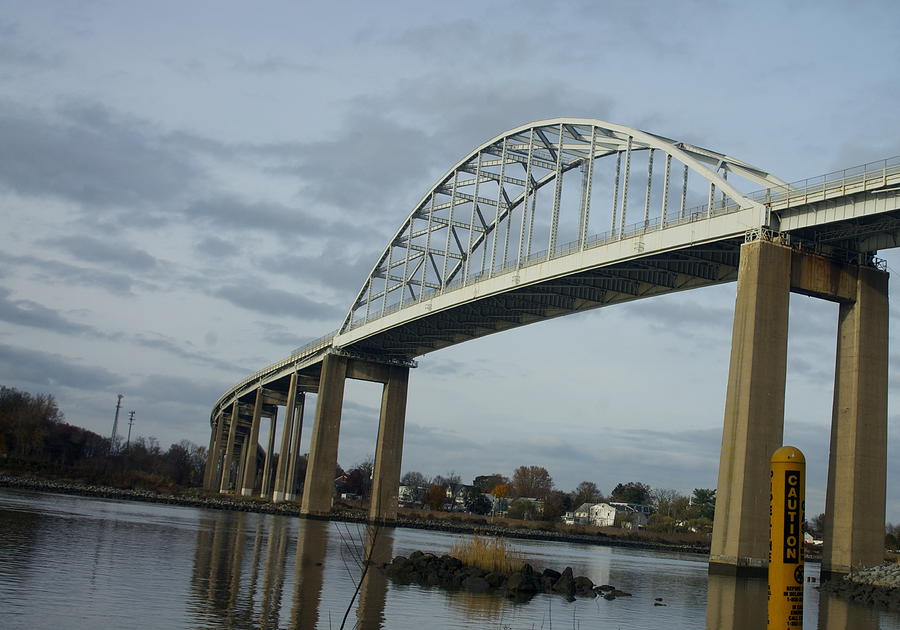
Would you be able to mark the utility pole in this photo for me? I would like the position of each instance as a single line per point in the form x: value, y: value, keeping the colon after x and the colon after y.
x: 130, y: 422
x: 112, y: 444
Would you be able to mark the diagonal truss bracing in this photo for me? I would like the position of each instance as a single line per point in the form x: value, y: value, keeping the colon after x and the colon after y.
x: 527, y: 196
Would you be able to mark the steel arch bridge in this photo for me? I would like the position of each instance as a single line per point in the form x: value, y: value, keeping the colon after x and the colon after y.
x: 547, y: 219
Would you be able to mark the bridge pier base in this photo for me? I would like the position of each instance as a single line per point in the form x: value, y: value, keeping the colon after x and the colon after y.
x: 857, y: 465
x: 754, y: 410
x: 389, y: 448
x: 323, y: 447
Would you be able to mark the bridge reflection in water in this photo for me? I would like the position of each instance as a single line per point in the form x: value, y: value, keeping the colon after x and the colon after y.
x: 242, y: 578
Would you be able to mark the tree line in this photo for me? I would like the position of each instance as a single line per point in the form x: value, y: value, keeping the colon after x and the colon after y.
x: 35, y: 438
x: 531, y: 494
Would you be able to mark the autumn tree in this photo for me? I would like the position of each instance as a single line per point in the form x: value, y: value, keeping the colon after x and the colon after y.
x: 501, y: 491
x: 486, y: 483
x: 532, y: 481
x: 436, y: 497
x: 631, y: 492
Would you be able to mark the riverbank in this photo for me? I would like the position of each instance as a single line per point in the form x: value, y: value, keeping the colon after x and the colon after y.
x: 875, y: 586
x: 194, y: 498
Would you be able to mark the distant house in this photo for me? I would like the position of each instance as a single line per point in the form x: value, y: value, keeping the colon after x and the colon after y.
x: 605, y: 514
x: 409, y: 495
x: 632, y: 515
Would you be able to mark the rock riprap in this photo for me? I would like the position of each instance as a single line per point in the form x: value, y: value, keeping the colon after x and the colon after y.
x: 447, y: 572
x: 875, y: 586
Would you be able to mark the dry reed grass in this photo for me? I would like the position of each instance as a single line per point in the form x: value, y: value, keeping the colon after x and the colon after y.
x: 488, y: 553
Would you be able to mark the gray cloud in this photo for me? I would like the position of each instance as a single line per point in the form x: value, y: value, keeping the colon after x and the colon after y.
x: 182, y: 350
x: 255, y: 296
x: 95, y: 250
x: 34, y: 315
x: 338, y: 269
x: 289, y: 222
x: 270, y: 64
x: 21, y: 367
x: 88, y: 154
x: 17, y: 54
x: 54, y: 272
x: 215, y: 247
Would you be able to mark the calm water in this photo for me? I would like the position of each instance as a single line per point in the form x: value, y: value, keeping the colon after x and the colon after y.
x: 76, y: 563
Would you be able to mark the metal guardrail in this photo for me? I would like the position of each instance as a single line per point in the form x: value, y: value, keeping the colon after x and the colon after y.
x: 303, y: 351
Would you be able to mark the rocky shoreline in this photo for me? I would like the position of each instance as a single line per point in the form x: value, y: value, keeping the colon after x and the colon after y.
x: 875, y: 586
x: 450, y: 573
x: 291, y: 509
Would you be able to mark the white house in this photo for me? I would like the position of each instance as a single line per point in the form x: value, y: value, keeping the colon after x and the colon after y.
x: 602, y: 515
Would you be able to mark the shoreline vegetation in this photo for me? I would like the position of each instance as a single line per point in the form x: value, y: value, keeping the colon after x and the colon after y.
x: 878, y: 586
x: 414, y: 519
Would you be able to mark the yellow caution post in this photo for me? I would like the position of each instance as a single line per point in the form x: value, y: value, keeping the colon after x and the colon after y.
x: 787, y: 514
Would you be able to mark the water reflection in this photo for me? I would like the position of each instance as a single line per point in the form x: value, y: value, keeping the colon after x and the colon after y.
x: 735, y: 603
x: 379, y: 548
x: 312, y: 544
x: 838, y: 614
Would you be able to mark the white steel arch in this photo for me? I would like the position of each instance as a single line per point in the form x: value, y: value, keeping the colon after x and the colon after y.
x: 481, y: 217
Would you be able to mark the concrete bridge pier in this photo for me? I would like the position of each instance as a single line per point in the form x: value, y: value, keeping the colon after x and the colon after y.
x: 283, y: 456
x: 225, y: 482
x: 857, y: 465
x: 248, y: 475
x: 754, y: 408
x: 323, y: 446
x: 389, y: 447
x: 292, y: 465
x: 323, y: 449
x: 270, y: 448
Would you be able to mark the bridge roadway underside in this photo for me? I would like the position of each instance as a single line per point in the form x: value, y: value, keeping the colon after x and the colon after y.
x: 754, y: 408
x: 766, y: 273
x: 688, y: 268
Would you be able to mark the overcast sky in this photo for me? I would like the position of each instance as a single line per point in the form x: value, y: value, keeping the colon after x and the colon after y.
x: 188, y: 191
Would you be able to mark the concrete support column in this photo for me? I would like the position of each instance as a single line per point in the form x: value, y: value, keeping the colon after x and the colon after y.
x: 250, y: 446
x: 239, y: 476
x: 210, y: 460
x: 754, y: 409
x: 281, y: 469
x: 293, y: 468
x: 214, y: 455
x: 270, y: 448
x: 225, y: 486
x: 323, y: 448
x: 857, y: 464
x: 389, y: 447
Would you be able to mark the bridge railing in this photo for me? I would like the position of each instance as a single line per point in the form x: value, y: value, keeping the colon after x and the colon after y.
x: 837, y: 183
x: 303, y: 351
x: 862, y: 177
